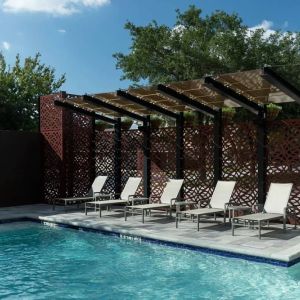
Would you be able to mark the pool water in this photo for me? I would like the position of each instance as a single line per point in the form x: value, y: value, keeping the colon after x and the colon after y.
x: 42, y: 262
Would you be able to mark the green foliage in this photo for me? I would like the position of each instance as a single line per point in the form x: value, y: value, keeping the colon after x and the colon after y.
x: 228, y: 113
x: 126, y: 123
x: 200, y: 45
x: 20, y: 88
x: 190, y: 118
x: 156, y: 121
x: 272, y: 107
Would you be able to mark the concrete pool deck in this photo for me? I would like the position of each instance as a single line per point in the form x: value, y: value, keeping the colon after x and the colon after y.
x: 275, y: 244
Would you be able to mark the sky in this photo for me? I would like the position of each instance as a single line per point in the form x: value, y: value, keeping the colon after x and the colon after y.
x: 78, y: 37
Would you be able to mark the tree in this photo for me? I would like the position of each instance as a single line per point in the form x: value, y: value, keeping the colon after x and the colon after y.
x: 20, y: 88
x: 197, y: 46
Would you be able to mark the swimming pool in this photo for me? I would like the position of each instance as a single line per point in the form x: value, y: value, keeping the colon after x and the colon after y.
x: 42, y: 262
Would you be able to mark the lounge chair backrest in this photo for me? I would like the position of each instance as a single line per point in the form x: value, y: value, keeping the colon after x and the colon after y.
x: 98, y: 184
x: 222, y: 193
x: 278, y: 197
x: 130, y: 187
x: 171, y: 190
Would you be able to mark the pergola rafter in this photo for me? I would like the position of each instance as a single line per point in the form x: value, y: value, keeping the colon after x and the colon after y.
x: 282, y: 84
x: 85, y: 111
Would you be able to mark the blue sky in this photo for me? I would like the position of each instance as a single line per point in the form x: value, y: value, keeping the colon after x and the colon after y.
x: 78, y: 37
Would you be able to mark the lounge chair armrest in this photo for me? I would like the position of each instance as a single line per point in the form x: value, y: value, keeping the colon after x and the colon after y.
x: 185, y: 202
x: 139, y: 199
x: 133, y: 196
x: 103, y: 195
x: 257, y: 207
x: 175, y: 200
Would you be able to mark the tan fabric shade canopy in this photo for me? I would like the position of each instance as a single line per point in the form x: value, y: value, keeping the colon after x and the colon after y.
x: 251, y: 84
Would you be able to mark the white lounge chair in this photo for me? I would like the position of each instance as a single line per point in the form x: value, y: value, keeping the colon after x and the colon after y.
x: 218, y: 204
x: 274, y: 208
x: 126, y: 196
x: 96, y: 192
x: 167, y: 200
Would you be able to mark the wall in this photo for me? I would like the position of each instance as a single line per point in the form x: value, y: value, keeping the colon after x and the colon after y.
x: 20, y: 168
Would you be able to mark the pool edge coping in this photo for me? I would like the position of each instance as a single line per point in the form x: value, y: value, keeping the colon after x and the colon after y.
x: 202, y: 249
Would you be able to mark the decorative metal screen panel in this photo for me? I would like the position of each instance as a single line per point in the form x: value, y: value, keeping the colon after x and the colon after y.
x: 198, y: 163
x: 131, y: 154
x: 284, y: 156
x: 79, y: 158
x: 67, y: 150
x: 239, y: 161
x: 51, y: 127
x: 163, y: 158
x: 104, y: 157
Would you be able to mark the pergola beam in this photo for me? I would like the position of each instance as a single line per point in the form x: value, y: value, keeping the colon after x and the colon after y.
x: 146, y: 104
x: 84, y: 111
x: 282, y: 84
x: 233, y: 95
x: 187, y: 101
x: 113, y: 108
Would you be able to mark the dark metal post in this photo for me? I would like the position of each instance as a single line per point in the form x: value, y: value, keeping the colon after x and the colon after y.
x: 179, y: 146
x: 147, y: 159
x: 262, y: 155
x: 117, y: 158
x: 217, y: 146
x: 93, y: 150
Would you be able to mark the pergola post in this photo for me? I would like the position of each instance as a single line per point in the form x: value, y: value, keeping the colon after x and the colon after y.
x: 147, y: 158
x: 117, y: 156
x: 258, y: 110
x: 261, y: 155
x: 217, y: 146
x: 179, y: 146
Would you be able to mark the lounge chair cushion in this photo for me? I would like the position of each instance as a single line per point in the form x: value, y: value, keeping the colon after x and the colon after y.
x: 130, y: 187
x: 278, y: 197
x: 98, y: 183
x: 171, y: 190
x: 222, y: 194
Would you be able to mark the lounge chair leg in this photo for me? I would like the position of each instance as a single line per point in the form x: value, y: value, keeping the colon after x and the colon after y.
x: 143, y: 215
x: 170, y: 212
x: 100, y: 215
x: 215, y: 217
x: 177, y: 219
x: 259, y: 229
x: 125, y: 213
x: 232, y: 227
x: 284, y: 223
x: 198, y: 221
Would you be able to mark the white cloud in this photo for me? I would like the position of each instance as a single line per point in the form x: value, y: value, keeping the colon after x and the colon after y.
x: 266, y: 26
x: 6, y: 45
x: 62, y: 31
x: 54, y: 7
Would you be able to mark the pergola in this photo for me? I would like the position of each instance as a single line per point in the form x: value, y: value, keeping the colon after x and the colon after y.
x: 252, y: 90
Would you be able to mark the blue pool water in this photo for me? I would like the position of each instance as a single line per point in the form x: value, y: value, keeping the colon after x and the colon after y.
x: 41, y: 262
